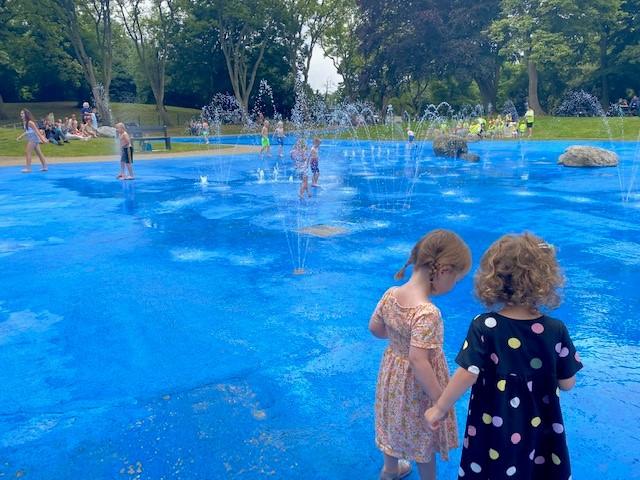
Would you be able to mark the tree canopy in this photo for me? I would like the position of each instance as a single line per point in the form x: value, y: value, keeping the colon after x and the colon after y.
x: 411, y: 53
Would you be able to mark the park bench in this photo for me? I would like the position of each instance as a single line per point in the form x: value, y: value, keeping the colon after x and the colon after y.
x: 144, y: 135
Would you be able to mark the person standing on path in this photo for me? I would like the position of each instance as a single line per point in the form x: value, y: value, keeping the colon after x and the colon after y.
x: 34, y: 139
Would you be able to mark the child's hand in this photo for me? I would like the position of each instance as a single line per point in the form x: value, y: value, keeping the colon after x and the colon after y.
x: 433, y: 417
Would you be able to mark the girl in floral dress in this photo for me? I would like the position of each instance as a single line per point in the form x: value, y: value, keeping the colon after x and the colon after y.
x: 414, y: 372
x: 517, y: 360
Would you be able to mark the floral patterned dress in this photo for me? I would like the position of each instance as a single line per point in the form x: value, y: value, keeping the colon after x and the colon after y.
x: 401, y: 430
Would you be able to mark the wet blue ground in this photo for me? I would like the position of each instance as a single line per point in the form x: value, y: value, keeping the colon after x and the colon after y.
x: 153, y: 329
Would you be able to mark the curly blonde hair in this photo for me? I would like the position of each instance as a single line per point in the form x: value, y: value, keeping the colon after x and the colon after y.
x: 519, y: 270
x: 436, y: 249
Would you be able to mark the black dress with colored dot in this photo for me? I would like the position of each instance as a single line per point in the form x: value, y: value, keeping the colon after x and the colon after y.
x: 514, y: 424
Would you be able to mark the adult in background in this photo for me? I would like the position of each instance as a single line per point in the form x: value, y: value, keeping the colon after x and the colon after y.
x: 85, y: 110
x: 94, y: 118
x: 34, y: 139
x: 529, y: 117
x: 634, y: 105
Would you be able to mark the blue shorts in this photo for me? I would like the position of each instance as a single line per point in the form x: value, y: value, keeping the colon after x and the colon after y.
x: 280, y: 141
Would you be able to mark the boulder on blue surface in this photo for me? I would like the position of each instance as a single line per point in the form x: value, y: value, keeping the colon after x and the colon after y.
x: 585, y: 156
x: 453, y: 146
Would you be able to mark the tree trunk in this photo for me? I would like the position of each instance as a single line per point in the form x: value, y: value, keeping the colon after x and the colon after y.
x: 3, y: 114
x: 155, y: 74
x: 533, y: 88
x: 604, y: 78
x: 101, y: 100
x: 162, y: 111
x: 100, y: 96
x: 488, y: 86
x: 237, y: 67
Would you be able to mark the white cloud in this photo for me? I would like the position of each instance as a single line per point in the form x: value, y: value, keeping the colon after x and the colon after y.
x: 322, y: 72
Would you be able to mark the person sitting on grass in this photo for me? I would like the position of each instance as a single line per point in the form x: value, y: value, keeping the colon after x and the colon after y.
x: 86, y: 127
x: 62, y: 130
x: 74, y: 132
x: 53, y: 134
x: 94, y: 118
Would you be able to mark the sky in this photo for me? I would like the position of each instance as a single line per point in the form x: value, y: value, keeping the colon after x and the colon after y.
x: 321, y: 71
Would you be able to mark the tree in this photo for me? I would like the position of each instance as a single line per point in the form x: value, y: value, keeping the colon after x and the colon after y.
x: 97, y: 15
x: 5, y: 58
x: 244, y: 29
x: 305, y: 22
x: 607, y: 23
x: 472, y: 52
x: 343, y: 47
x: 399, y: 48
x: 151, y: 31
x: 36, y: 62
x: 531, y: 33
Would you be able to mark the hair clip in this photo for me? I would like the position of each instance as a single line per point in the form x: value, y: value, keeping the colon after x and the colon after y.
x: 546, y: 246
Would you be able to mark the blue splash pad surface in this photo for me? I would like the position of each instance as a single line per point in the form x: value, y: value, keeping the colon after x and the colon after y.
x: 153, y: 329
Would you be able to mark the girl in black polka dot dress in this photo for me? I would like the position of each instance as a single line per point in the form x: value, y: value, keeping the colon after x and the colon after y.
x: 517, y: 360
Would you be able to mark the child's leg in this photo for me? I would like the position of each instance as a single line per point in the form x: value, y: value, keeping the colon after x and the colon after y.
x: 394, y: 468
x: 306, y: 185
x: 390, y: 463
x: 121, y: 170
x: 43, y: 161
x: 27, y: 153
x: 130, y: 169
x: 427, y: 470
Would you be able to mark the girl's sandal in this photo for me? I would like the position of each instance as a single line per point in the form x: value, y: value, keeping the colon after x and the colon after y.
x: 404, y: 469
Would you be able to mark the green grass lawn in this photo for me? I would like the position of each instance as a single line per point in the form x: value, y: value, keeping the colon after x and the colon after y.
x: 122, y: 112
x: 139, y: 113
x: 78, y: 148
x: 545, y: 128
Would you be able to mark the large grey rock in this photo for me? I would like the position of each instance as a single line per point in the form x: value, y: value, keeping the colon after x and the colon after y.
x: 449, y: 146
x: 107, y: 132
x: 583, y: 156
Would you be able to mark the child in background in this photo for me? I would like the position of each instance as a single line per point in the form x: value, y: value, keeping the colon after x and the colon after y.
x: 313, y: 159
x: 301, y: 165
x: 264, y: 139
x: 522, y: 128
x: 205, y: 132
x: 411, y: 136
x: 126, y: 155
x: 517, y: 360
x: 414, y: 372
x: 280, y: 137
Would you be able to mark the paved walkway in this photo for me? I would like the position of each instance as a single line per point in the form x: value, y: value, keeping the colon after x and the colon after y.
x: 233, y: 150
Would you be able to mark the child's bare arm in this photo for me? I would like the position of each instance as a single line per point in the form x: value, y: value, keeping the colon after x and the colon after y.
x: 459, y: 384
x: 422, y: 369
x: 377, y: 328
x: 567, y: 383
